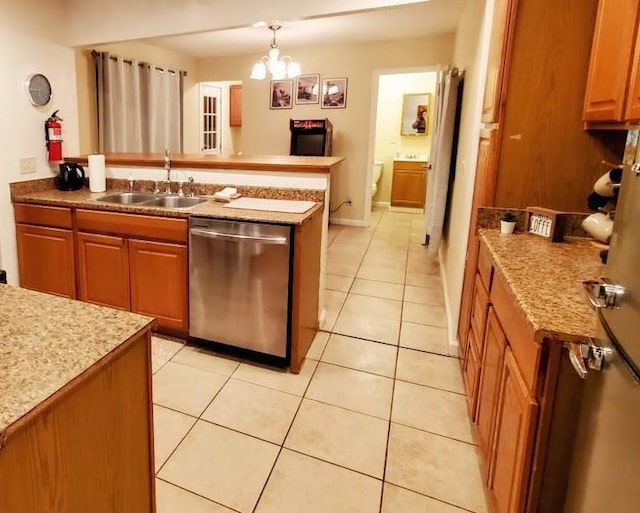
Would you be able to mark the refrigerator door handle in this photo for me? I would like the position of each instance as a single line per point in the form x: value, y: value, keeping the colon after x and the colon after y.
x: 603, y: 293
x: 587, y: 355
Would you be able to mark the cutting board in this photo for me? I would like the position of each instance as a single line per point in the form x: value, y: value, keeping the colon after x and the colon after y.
x: 271, y: 205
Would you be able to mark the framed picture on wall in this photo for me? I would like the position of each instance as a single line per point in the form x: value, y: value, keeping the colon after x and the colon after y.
x: 307, y: 89
x: 281, y: 91
x: 334, y: 93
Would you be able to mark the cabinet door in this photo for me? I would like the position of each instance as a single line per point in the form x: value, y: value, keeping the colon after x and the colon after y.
x: 159, y: 282
x: 499, y: 43
x: 471, y: 375
x: 235, y: 105
x: 632, y: 105
x: 103, y: 270
x: 492, y: 361
x: 46, y: 259
x: 611, y: 58
x: 516, y: 415
x: 408, y: 188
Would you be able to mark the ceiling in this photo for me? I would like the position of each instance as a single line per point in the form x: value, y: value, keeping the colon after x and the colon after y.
x: 404, y: 21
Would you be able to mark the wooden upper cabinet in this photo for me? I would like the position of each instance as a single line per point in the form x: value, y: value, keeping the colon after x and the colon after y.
x: 613, y: 91
x: 159, y: 278
x: 103, y: 270
x: 235, y: 105
x: 503, y: 19
x: 516, y: 415
x: 46, y: 259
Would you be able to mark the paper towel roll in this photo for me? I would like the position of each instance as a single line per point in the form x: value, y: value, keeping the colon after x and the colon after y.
x: 97, y: 178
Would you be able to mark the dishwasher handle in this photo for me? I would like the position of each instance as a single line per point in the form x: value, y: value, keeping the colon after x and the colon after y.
x: 233, y: 237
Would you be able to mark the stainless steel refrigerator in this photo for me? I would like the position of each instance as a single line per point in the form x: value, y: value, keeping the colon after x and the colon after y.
x: 605, y: 475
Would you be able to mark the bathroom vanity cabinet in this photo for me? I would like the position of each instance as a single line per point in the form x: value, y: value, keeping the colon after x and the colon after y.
x: 409, y: 183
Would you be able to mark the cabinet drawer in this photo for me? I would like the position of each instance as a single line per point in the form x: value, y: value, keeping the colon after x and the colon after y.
x: 479, y: 311
x: 58, y: 217
x: 485, y: 266
x: 133, y: 225
x: 520, y: 335
x: 406, y: 165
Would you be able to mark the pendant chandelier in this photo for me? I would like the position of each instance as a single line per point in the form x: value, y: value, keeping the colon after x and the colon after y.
x: 279, y: 67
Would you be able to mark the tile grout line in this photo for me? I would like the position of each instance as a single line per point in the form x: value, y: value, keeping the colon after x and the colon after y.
x: 393, y: 389
x: 197, y: 494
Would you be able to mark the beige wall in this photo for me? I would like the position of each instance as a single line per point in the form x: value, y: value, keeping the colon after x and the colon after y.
x: 160, y: 57
x: 266, y: 131
x: 470, y: 55
x: 26, y: 46
x: 388, y: 141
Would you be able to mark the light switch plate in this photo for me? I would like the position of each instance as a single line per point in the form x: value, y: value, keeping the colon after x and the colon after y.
x: 27, y: 165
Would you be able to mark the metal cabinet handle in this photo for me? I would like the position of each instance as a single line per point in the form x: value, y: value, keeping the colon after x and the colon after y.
x: 237, y: 237
x: 587, y: 355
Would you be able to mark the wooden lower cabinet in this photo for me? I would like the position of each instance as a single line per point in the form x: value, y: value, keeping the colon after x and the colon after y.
x: 159, y: 278
x: 471, y: 375
x: 103, y: 270
x: 89, y: 446
x: 492, y: 360
x: 46, y: 259
x: 409, y: 184
x: 516, y: 415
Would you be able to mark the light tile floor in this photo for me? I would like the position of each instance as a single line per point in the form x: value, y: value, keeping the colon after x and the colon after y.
x: 376, y: 422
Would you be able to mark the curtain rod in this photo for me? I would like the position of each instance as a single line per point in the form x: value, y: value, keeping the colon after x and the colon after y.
x: 95, y: 54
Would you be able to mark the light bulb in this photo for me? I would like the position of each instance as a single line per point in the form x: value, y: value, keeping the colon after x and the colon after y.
x: 274, y: 53
x: 293, y: 69
x: 259, y: 71
x: 278, y: 70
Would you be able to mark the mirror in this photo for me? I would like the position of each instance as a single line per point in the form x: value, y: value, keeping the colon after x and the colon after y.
x: 415, y: 114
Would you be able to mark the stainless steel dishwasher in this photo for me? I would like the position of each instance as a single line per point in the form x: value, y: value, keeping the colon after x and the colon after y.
x: 239, y: 284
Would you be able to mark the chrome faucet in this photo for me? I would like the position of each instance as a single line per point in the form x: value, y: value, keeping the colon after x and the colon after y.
x: 167, y: 167
x: 192, y: 186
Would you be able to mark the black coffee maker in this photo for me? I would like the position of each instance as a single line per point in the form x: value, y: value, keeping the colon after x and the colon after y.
x: 70, y: 177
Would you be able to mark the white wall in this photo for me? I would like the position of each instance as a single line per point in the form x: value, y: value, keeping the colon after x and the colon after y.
x: 85, y: 20
x: 266, y: 131
x: 388, y: 141
x: 26, y: 29
x: 470, y: 55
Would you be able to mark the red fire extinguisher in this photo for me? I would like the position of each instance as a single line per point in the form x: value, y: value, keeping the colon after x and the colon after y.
x: 53, y: 136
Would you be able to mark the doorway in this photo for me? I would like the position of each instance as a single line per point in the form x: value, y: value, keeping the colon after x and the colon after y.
x: 210, y: 119
x: 404, y: 155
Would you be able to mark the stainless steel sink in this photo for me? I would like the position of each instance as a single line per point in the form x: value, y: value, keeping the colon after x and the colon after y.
x: 148, y: 199
x: 127, y: 198
x: 174, y: 202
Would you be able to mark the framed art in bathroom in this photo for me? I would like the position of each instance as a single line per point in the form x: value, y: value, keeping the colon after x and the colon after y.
x: 281, y: 91
x: 334, y: 93
x: 307, y: 89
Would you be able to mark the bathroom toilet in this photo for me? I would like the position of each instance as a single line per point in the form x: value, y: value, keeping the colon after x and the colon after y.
x: 377, y: 172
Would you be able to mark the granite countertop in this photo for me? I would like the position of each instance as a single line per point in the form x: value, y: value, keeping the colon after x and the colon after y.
x: 46, y: 341
x: 546, y: 281
x: 83, y: 198
x: 279, y: 163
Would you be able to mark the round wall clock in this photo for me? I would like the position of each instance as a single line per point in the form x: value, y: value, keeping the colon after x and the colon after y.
x: 38, y: 89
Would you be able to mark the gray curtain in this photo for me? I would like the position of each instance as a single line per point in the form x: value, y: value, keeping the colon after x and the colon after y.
x: 139, y: 106
x: 438, y: 181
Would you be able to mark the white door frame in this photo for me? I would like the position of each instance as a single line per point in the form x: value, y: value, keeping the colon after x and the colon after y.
x: 373, y: 119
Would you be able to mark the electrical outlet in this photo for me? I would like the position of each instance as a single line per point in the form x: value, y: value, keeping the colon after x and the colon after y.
x: 27, y: 165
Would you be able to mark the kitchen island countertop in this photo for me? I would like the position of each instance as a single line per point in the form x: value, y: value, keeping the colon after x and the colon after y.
x: 48, y: 341
x: 83, y: 198
x: 546, y: 281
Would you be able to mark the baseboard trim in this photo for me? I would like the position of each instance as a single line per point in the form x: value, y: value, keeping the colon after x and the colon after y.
x: 407, y: 210
x: 382, y: 204
x: 453, y: 348
x: 347, y: 222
